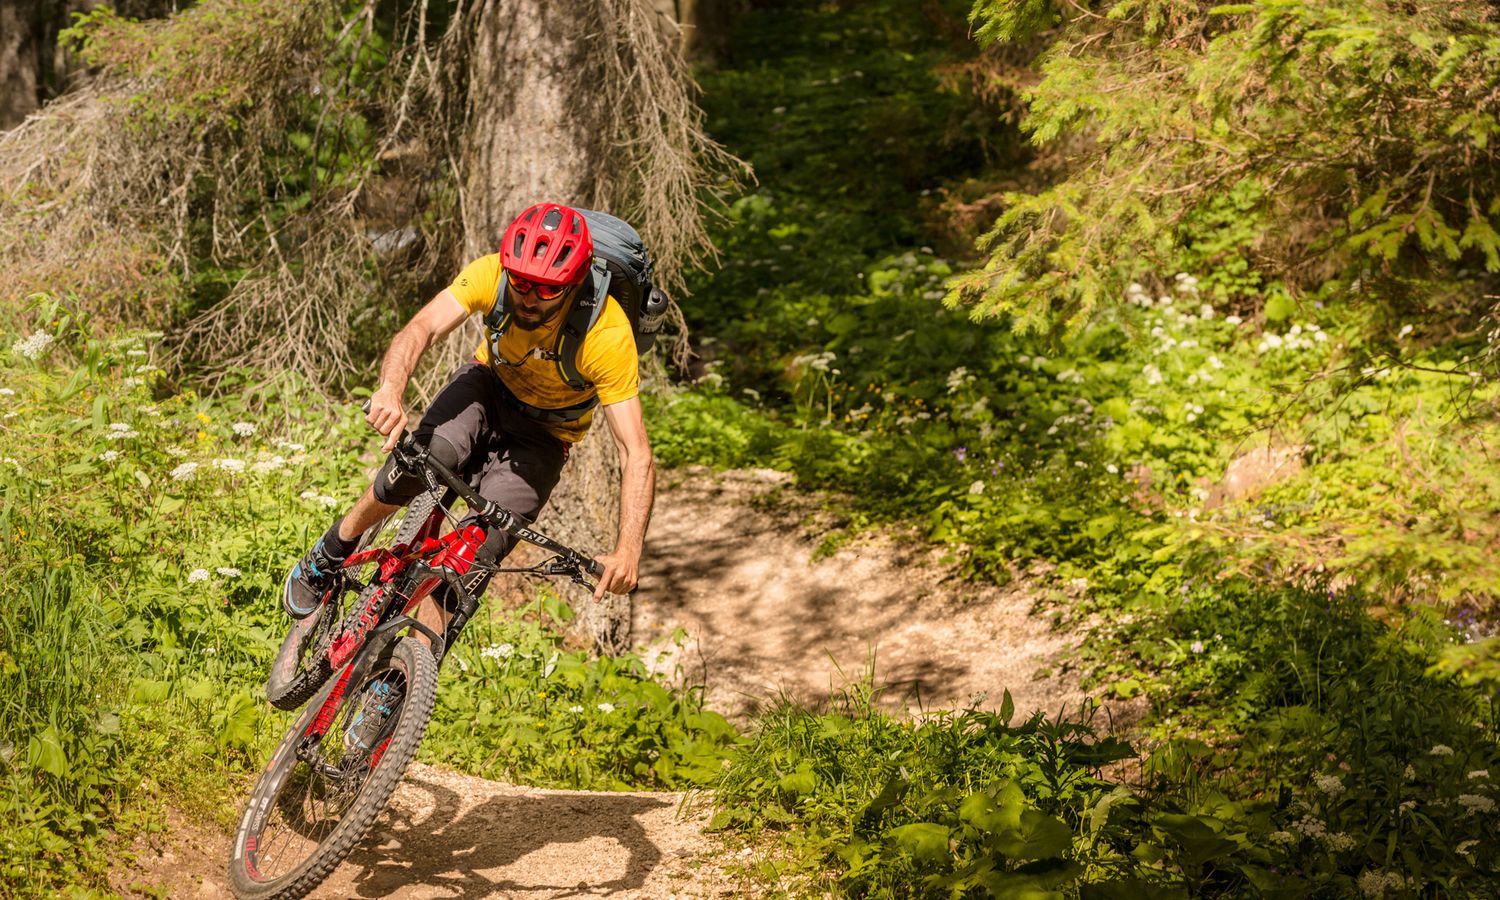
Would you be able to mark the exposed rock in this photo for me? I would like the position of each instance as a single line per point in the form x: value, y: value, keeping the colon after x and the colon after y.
x: 1253, y: 472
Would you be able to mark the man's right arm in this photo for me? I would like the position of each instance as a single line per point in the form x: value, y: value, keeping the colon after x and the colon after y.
x: 432, y: 322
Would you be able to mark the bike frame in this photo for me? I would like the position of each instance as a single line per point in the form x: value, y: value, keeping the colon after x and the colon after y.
x: 409, y: 574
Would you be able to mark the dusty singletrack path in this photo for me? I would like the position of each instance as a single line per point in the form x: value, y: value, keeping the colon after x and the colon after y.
x: 731, y: 563
x: 447, y: 835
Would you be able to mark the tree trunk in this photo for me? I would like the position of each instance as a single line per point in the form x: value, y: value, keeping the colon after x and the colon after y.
x: 703, y: 24
x: 20, y: 63
x: 33, y: 69
x: 589, y: 105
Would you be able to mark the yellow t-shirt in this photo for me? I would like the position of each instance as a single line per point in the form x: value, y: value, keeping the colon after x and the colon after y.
x: 607, y: 359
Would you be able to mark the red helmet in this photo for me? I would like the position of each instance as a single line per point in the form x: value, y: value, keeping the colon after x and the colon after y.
x: 549, y: 243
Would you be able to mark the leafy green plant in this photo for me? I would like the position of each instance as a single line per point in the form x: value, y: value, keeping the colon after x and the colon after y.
x: 1191, y: 111
x: 521, y: 706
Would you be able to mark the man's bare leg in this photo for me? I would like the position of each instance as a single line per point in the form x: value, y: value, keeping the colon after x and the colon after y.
x: 365, y: 512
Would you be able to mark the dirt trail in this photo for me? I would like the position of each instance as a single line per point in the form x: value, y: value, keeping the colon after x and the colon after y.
x: 730, y: 563
x: 446, y: 835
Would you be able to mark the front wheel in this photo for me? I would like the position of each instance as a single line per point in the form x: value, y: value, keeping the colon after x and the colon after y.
x: 333, y: 773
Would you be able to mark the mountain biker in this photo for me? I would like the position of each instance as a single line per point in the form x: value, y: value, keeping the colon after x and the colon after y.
x: 507, y: 414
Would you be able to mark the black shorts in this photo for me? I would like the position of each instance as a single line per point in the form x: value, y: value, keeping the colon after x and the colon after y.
x: 515, y: 460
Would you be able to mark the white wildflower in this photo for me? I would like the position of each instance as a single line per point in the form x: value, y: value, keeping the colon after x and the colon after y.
x: 178, y: 452
x: 1478, y: 774
x: 32, y: 347
x: 818, y: 362
x: 1205, y: 312
x: 1152, y: 373
x: 243, y: 429
x: 197, y: 575
x: 1476, y: 802
x: 606, y: 707
x: 1407, y: 806
x: 1339, y: 841
x: 1466, y: 849
x: 1374, y: 883
x: 1440, y: 750
x: 575, y: 709
x: 230, y: 465
x: 151, y: 410
x: 1112, y: 469
x: 1233, y: 320
x: 462, y: 665
x: 1405, y: 330
x: 13, y: 461
x: 289, y: 446
x: 7, y: 392
x: 109, y: 456
x: 976, y: 488
x: 228, y: 571
x: 269, y: 465
x: 958, y: 378
x: 1311, y: 826
x: 1196, y: 646
x: 498, y: 651
x: 1282, y: 837
x: 1331, y: 785
x: 133, y: 382
x: 184, y: 471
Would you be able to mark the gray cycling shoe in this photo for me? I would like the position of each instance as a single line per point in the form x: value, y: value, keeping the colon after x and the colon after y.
x: 309, y: 582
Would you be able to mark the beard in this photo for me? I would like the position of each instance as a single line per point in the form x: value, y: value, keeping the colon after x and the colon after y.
x: 542, y: 318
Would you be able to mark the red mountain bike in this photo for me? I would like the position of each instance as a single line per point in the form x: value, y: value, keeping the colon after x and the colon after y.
x: 372, y: 682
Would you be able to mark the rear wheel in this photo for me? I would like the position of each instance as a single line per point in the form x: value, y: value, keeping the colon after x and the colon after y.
x: 333, y: 773
x: 301, y: 665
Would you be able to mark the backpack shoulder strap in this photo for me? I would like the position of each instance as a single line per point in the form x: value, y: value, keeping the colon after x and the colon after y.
x: 498, y: 315
x: 587, y: 308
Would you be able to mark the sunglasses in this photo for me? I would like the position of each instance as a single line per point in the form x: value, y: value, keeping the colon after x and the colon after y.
x: 543, y: 291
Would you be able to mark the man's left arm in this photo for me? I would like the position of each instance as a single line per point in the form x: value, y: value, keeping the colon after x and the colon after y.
x: 637, y: 491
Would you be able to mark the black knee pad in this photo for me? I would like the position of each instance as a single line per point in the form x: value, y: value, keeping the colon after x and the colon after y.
x: 397, y: 486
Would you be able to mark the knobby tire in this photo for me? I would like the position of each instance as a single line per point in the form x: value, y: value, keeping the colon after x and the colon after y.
x: 301, y: 666
x: 278, y: 788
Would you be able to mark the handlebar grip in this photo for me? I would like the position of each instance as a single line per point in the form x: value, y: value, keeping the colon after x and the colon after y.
x: 593, y: 568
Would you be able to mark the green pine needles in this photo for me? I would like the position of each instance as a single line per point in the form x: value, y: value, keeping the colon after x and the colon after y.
x: 1280, y: 147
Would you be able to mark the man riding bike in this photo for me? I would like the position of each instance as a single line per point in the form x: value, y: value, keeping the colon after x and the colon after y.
x: 508, y: 416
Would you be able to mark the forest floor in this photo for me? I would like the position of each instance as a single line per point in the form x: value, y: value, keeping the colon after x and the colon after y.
x: 734, y: 567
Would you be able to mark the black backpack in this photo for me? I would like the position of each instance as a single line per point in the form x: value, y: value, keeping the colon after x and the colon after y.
x: 622, y: 268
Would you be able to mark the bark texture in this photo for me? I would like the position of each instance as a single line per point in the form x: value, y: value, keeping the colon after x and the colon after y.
x: 33, y: 69
x: 20, y: 60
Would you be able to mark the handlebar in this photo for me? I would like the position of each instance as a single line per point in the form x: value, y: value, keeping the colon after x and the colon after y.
x: 414, y: 458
